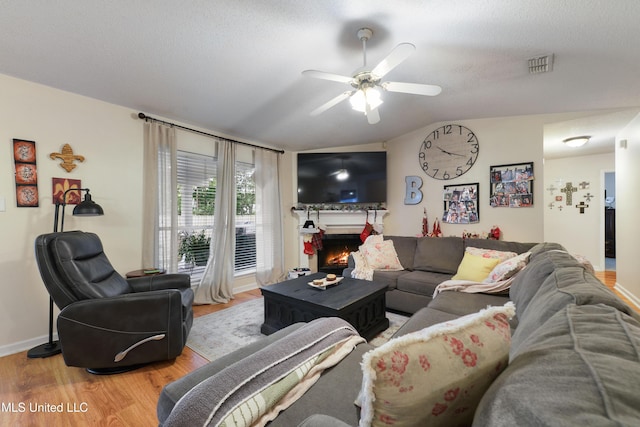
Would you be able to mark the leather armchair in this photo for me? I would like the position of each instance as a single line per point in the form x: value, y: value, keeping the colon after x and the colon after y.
x: 108, y: 323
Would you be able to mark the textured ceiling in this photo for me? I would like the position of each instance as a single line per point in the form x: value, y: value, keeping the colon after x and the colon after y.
x: 234, y: 67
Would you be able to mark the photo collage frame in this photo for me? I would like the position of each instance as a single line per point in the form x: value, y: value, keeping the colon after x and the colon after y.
x: 461, y: 204
x: 512, y: 185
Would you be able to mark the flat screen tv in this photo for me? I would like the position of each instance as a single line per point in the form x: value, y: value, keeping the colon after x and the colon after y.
x: 354, y: 177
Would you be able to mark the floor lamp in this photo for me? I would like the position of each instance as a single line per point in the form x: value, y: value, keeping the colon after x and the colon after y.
x: 85, y: 208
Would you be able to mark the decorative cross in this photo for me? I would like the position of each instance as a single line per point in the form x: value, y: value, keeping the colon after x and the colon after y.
x: 551, y: 189
x: 588, y: 196
x: 551, y: 205
x: 569, y: 190
x: 560, y: 207
x: 584, y: 185
x: 582, y: 207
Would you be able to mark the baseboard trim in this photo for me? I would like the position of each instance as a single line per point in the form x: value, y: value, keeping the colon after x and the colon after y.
x: 631, y: 297
x: 18, y: 347
x: 245, y: 288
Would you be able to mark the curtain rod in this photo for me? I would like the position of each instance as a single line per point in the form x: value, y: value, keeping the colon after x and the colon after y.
x: 145, y: 117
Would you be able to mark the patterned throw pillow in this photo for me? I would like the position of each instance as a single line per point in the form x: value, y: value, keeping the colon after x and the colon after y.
x: 475, y: 268
x: 508, y: 268
x: 436, y: 376
x: 490, y: 253
x: 381, y: 255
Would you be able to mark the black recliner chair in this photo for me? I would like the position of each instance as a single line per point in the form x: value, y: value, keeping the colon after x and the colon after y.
x: 107, y: 323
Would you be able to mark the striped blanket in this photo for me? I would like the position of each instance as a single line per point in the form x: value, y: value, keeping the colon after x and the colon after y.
x: 252, y: 391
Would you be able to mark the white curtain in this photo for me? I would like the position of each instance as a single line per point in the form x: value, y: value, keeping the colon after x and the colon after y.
x: 159, y: 225
x: 269, y: 247
x: 216, y: 285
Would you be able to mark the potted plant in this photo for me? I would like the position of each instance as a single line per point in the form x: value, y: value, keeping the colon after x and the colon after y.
x: 194, y: 246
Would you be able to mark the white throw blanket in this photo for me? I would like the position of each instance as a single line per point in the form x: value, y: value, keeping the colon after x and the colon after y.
x: 474, y: 287
x: 362, y: 270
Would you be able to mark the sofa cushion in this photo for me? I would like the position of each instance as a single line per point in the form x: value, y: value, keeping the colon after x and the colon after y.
x: 565, y: 285
x: 541, y: 265
x: 499, y: 245
x: 388, y: 277
x: 461, y: 303
x: 405, y: 248
x: 475, y: 268
x: 435, y: 376
x: 580, y: 368
x: 438, y: 254
x: 424, y: 318
x: 421, y: 282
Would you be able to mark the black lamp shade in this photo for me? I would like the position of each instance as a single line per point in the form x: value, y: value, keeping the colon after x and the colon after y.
x: 88, y: 207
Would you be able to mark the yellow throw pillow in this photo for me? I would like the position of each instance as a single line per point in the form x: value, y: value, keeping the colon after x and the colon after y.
x: 475, y: 268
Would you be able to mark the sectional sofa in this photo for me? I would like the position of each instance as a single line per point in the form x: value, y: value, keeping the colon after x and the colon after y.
x: 572, y: 354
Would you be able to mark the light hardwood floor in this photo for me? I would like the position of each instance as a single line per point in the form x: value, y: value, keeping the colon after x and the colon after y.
x: 33, y: 388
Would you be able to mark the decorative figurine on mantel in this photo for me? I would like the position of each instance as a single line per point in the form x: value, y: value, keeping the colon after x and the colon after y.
x: 67, y: 158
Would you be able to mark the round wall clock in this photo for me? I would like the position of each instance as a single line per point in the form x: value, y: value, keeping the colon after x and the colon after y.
x: 448, y: 152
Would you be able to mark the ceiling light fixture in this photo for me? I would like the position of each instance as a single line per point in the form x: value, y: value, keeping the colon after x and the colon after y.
x: 364, y: 96
x: 342, y: 175
x: 576, y: 141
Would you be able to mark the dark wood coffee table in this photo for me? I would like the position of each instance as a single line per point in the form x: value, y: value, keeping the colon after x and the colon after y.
x: 359, y: 302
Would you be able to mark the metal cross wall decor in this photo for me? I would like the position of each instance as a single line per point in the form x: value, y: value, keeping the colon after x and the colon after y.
x: 582, y: 207
x: 569, y: 189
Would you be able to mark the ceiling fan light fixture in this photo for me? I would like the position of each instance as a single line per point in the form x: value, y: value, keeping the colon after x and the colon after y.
x: 342, y: 175
x: 576, y: 141
x: 362, y: 97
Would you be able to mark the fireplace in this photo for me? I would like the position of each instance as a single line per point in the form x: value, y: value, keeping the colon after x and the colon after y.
x: 335, y: 251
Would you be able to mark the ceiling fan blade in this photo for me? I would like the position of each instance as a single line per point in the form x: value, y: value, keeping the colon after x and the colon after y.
x: 373, y: 116
x: 414, y: 88
x: 327, y: 76
x: 397, y: 55
x: 335, y: 101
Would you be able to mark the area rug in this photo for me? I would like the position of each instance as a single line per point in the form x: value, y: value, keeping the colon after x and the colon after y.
x: 216, y: 334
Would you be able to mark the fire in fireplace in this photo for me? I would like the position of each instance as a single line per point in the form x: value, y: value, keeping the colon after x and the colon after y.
x: 335, y: 252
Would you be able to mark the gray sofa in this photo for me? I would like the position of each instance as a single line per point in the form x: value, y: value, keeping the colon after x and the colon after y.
x: 427, y: 262
x: 574, y: 357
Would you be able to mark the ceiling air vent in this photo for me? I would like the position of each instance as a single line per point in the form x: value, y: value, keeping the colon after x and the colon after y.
x: 541, y: 64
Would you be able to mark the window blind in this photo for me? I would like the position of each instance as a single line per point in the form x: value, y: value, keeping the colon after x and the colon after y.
x: 196, y: 207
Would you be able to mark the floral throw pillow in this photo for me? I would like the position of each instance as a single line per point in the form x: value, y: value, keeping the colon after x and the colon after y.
x: 381, y: 255
x: 490, y: 253
x: 435, y: 376
x: 508, y: 268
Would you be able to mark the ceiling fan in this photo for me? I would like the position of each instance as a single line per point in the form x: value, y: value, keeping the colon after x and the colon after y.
x: 367, y: 82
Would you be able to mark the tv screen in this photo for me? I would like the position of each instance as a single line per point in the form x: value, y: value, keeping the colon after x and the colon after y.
x: 354, y: 177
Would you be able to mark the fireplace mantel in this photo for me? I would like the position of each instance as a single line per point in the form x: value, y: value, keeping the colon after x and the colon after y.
x: 336, y: 222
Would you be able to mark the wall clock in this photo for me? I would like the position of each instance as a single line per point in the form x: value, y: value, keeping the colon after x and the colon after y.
x: 448, y: 152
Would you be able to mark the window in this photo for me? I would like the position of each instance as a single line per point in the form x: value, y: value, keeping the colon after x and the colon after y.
x: 196, y: 208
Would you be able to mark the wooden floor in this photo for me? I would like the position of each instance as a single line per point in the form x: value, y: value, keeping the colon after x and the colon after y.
x: 34, y: 388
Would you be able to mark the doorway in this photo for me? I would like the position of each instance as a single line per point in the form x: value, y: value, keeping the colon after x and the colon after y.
x: 610, y: 221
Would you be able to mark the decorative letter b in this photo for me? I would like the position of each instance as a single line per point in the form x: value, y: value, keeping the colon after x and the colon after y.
x: 413, y: 195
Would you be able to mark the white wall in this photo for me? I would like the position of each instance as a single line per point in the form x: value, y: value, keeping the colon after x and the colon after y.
x: 502, y: 140
x: 110, y: 137
x: 111, y: 141
x: 581, y: 234
x: 627, y: 208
